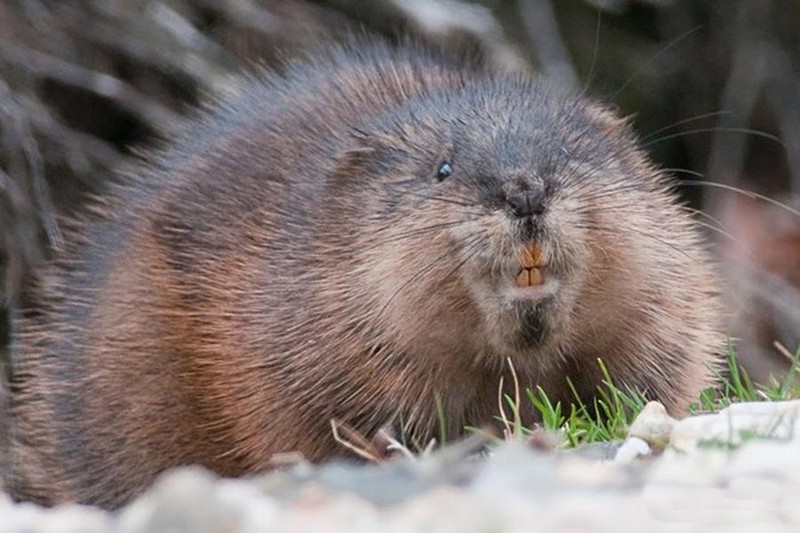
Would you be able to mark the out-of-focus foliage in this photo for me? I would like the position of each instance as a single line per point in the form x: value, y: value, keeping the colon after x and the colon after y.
x: 83, y: 82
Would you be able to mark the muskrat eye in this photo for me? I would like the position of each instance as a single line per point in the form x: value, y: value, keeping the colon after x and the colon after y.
x: 444, y: 171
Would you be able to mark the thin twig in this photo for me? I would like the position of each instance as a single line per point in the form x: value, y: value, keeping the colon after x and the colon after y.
x: 105, y: 85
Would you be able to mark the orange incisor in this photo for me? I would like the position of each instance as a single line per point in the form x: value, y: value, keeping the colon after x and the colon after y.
x: 530, y: 274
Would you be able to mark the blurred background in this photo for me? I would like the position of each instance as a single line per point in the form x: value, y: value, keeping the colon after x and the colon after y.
x: 712, y: 88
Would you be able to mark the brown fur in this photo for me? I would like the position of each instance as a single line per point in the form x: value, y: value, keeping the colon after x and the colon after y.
x: 293, y: 258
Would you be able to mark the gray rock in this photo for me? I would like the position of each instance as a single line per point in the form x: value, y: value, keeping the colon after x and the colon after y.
x: 739, y: 423
x: 193, y: 500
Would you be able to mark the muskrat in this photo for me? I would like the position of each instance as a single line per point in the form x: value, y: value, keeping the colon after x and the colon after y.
x: 374, y: 236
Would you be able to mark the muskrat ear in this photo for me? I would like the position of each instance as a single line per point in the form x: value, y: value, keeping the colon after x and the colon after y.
x: 373, y: 154
x: 608, y: 120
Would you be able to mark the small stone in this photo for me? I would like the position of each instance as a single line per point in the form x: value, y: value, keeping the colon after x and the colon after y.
x: 653, y: 425
x: 746, y: 486
x: 789, y: 511
x: 26, y: 517
x: 597, y: 451
x: 581, y: 473
x: 254, y: 511
x: 338, y: 512
x: 790, y: 407
x: 449, y: 509
x: 711, y: 508
x: 515, y: 468
x: 181, y: 500
x: 738, y: 423
x: 676, y: 468
x: 545, y: 441
x: 631, y: 449
x: 687, y: 432
x: 773, y: 459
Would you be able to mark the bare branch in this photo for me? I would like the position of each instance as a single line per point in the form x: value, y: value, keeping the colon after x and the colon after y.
x: 102, y: 84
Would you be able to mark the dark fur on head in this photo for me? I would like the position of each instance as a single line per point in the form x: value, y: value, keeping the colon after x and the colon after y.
x: 342, y: 242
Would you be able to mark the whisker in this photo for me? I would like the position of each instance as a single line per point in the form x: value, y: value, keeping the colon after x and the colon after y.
x: 593, y: 63
x: 684, y: 171
x: 424, y: 271
x: 421, y: 231
x: 695, y: 118
x: 700, y: 212
x: 463, y: 202
x: 609, y: 231
x: 660, y: 53
x: 745, y: 192
x: 470, y: 252
x: 611, y: 191
x: 733, y: 239
x: 755, y: 133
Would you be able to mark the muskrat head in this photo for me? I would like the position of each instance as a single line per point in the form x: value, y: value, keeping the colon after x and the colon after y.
x: 486, y: 204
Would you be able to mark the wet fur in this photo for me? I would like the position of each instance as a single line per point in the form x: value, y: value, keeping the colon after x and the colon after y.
x: 292, y: 258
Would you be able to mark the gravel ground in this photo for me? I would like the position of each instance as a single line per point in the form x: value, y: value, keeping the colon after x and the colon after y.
x: 738, y: 470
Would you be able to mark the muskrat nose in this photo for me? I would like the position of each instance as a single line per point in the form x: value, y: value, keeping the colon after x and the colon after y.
x: 526, y: 202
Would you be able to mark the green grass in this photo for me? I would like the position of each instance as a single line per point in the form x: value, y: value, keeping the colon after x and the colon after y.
x: 606, y: 418
x: 736, y: 386
x: 610, y: 414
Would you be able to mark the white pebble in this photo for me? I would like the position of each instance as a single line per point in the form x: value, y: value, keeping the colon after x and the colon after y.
x: 632, y: 449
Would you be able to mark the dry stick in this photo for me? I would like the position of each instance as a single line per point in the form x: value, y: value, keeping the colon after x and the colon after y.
x: 247, y: 14
x: 726, y: 159
x: 45, y: 22
x: 54, y: 128
x: 182, y: 31
x: 509, y: 431
x: 746, y: 77
x: 44, y: 125
x: 202, y: 63
x: 360, y: 448
x: 782, y: 90
x: 503, y: 417
x: 14, y: 193
x: 783, y: 351
x: 19, y: 243
x: 397, y: 446
x: 41, y: 191
x: 517, y: 400
x: 5, y: 181
x: 774, y: 289
x: 541, y: 27
x: 34, y: 163
x: 14, y: 161
x: 123, y: 94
